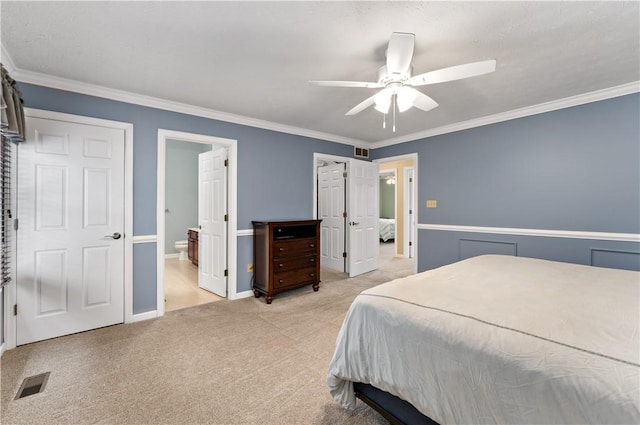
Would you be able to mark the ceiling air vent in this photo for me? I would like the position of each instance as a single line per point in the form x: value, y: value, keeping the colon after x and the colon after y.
x: 360, y: 152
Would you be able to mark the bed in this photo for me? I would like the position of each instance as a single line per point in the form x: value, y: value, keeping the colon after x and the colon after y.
x: 387, y: 229
x: 496, y: 339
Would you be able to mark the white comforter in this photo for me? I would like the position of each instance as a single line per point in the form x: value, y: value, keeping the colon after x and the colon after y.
x: 387, y: 229
x: 497, y: 339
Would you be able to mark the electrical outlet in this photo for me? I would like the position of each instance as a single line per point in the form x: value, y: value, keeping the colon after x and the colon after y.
x: 249, y: 267
x: 432, y: 203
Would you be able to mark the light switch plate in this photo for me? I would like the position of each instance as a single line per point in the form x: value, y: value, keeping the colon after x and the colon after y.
x: 432, y: 203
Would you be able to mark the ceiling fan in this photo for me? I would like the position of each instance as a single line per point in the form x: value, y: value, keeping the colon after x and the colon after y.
x: 398, y: 84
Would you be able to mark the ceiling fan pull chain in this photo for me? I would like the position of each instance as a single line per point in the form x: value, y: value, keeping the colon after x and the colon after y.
x: 394, y: 113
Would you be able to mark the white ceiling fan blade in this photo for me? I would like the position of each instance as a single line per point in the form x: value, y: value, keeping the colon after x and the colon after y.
x: 424, y: 102
x: 400, y: 53
x: 363, y: 84
x: 452, y: 73
x: 362, y: 105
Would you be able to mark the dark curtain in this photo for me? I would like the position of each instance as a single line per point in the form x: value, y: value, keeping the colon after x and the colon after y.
x: 12, y: 112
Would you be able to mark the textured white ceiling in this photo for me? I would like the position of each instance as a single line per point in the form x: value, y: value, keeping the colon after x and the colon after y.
x: 254, y: 59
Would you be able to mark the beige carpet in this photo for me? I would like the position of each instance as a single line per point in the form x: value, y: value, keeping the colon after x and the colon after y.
x: 228, y: 362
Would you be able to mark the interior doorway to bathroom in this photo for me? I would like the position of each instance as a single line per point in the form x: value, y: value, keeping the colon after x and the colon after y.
x: 196, y: 203
x: 181, y: 226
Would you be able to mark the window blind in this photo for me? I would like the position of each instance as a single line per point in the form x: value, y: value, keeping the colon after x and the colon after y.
x: 6, y: 221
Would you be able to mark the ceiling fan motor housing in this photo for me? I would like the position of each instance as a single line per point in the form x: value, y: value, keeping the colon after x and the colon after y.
x: 385, y: 79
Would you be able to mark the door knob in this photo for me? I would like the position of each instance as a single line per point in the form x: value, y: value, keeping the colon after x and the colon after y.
x: 114, y: 236
x: 354, y: 223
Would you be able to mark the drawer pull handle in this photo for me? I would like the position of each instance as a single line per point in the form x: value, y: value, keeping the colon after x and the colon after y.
x: 312, y: 245
x: 312, y: 259
x: 312, y: 274
x: 280, y: 265
x: 281, y: 249
x: 281, y: 281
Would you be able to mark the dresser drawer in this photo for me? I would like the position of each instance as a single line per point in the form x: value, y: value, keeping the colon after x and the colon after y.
x: 290, y: 248
x: 294, y: 277
x: 284, y: 264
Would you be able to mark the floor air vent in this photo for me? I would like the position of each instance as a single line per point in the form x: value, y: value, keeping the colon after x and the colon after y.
x: 33, y: 385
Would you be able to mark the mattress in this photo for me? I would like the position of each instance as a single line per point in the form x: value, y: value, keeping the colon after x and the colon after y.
x: 498, y: 339
x: 387, y: 229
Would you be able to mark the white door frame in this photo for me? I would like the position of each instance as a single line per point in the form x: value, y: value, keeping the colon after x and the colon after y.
x: 232, y: 190
x: 416, y: 182
x: 409, y: 219
x: 11, y: 290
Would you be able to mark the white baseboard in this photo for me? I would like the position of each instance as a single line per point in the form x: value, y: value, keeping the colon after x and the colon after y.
x: 3, y: 348
x: 144, y: 316
x: 174, y: 255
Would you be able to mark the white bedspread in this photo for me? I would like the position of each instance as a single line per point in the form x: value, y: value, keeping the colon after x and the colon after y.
x: 498, y: 339
x: 387, y: 228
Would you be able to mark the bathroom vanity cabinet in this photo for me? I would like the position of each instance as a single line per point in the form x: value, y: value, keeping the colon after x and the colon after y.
x: 286, y: 256
x: 192, y: 250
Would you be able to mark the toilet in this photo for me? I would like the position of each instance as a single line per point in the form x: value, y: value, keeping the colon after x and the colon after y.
x: 181, y: 247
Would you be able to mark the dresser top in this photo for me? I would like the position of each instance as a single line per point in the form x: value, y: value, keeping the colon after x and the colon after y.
x: 286, y: 222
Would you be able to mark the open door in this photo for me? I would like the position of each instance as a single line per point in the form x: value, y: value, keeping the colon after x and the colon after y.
x: 331, y: 207
x: 362, y: 217
x: 212, y: 214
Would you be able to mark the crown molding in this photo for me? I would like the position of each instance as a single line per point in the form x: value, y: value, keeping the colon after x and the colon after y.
x: 541, y: 108
x: 154, y: 102
x: 6, y: 60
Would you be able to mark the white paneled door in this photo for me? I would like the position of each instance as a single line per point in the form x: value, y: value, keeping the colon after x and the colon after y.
x: 212, y: 214
x: 363, y: 217
x: 70, y: 242
x: 331, y: 207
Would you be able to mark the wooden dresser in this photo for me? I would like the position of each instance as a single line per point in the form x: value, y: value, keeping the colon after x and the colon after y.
x: 286, y: 256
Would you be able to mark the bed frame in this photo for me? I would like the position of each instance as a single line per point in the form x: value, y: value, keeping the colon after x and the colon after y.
x: 392, y: 408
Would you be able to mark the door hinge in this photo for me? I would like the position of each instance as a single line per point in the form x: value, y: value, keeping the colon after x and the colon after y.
x: 226, y: 217
x: 344, y: 255
x: 410, y: 243
x: 410, y: 211
x: 226, y: 162
x: 344, y: 214
x: 410, y: 179
x: 15, y: 309
x: 15, y: 224
x: 344, y: 174
x: 226, y: 272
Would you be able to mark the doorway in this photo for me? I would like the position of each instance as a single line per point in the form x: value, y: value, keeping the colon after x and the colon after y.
x: 399, y: 172
x: 182, y: 206
x: 73, y: 200
x: 353, y: 206
x: 219, y: 263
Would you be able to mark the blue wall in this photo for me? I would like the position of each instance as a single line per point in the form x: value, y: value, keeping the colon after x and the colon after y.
x: 573, y: 169
x: 275, y: 172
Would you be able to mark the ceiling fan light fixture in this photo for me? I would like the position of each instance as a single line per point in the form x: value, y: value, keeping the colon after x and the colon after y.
x: 382, y: 102
x: 405, y: 97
